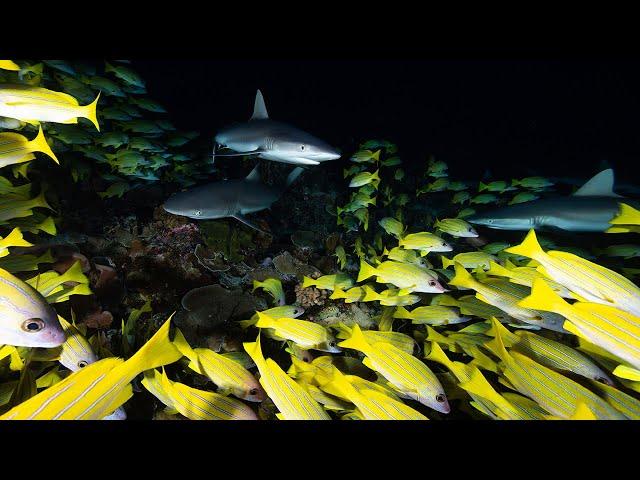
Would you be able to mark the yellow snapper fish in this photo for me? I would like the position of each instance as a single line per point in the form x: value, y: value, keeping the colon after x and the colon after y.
x: 424, y: 242
x: 9, y: 65
x: 431, y: 315
x: 98, y: 389
x: 409, y: 376
x: 362, y: 178
x: 329, y: 282
x: 292, y: 311
x: 15, y: 148
x: 391, y: 297
x: 503, y: 295
x: 193, y: 403
x: 76, y: 350
x: 399, y: 340
x: 589, y: 280
x: 470, y: 305
x: 552, y: 354
x: 624, y: 403
x: 35, y: 104
x: 374, y: 405
x: 392, y: 226
x: 556, y: 393
x: 355, y: 294
x: 614, y: 330
x: 292, y: 400
x: 469, y: 260
x: 303, y: 333
x: 274, y: 287
x: 456, y: 227
x: 27, y: 319
x: 406, y: 256
x: 525, y: 276
x: 402, y: 275
x: 484, y: 397
x: 229, y: 376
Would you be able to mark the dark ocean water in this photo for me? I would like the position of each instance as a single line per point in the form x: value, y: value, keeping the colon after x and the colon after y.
x: 514, y: 118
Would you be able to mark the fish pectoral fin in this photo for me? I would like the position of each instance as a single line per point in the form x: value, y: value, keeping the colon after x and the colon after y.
x: 240, y: 154
x: 241, y: 218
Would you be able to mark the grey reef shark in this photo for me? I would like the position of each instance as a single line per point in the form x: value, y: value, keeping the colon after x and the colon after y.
x: 589, y: 209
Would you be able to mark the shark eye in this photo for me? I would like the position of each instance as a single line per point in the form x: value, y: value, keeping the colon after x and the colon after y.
x: 197, y: 213
x: 32, y: 325
x: 302, y: 147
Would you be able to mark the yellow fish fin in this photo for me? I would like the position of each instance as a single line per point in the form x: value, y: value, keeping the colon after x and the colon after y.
x: 496, y: 346
x: 89, y: 112
x: 462, y: 277
x: 356, y: 341
x: 628, y: 373
x: 158, y: 351
x: 366, y: 271
x: 528, y: 248
x: 39, y: 144
x: 543, y: 297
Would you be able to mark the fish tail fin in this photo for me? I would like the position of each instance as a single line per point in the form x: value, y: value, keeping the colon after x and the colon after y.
x: 74, y: 274
x: 446, y: 263
x: 356, y: 341
x: 528, y: 248
x: 48, y: 226
x: 264, y: 321
x: 366, y: 271
x: 90, y: 112
x: 627, y: 215
x: 108, y: 67
x: 401, y: 312
x: 41, y: 201
x: 462, y: 277
x: 376, y: 156
x: 183, y: 346
x: 373, y: 202
x: 337, y: 293
x: 255, y: 352
x: 308, y: 282
x: 370, y: 294
x: 39, y: 144
x: 244, y: 324
x: 498, y: 270
x: 496, y: 346
x: 15, y: 239
x: 508, y: 338
x: 158, y: 351
x: 385, y: 252
x: 436, y: 337
x: 376, y: 176
x: 482, y: 187
x: 542, y: 297
x: 436, y: 354
x: 515, y: 183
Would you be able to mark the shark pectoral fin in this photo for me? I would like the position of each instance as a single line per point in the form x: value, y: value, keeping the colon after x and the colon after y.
x: 241, y: 218
x: 242, y: 154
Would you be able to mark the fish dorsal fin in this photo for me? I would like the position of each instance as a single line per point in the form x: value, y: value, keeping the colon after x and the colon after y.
x: 254, y: 175
x: 259, y: 108
x: 600, y: 185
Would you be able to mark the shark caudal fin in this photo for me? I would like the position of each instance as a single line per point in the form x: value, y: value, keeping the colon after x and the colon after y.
x: 600, y: 185
x: 259, y: 108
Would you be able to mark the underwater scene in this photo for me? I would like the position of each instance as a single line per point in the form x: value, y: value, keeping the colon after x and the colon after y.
x: 267, y: 270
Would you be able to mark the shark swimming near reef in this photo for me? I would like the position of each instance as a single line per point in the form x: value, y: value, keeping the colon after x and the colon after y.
x: 273, y: 140
x: 229, y: 198
x: 589, y: 209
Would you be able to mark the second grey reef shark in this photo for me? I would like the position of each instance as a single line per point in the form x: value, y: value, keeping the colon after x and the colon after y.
x: 229, y: 198
x: 589, y: 209
x: 273, y: 140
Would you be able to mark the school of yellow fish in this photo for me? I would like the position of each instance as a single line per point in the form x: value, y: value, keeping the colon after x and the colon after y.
x: 503, y: 332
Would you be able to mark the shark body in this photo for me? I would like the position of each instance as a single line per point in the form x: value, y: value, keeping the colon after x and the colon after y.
x: 273, y: 140
x: 588, y: 210
x: 229, y: 198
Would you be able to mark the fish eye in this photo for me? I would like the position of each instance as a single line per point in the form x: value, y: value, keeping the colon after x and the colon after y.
x: 82, y: 363
x: 198, y: 213
x: 440, y: 398
x: 444, y: 244
x: 32, y: 325
x: 302, y: 147
x: 332, y: 343
x: 432, y: 283
x: 253, y: 391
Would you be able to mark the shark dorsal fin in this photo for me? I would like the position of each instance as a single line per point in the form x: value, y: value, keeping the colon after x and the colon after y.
x: 259, y: 108
x: 254, y: 175
x: 601, y: 185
